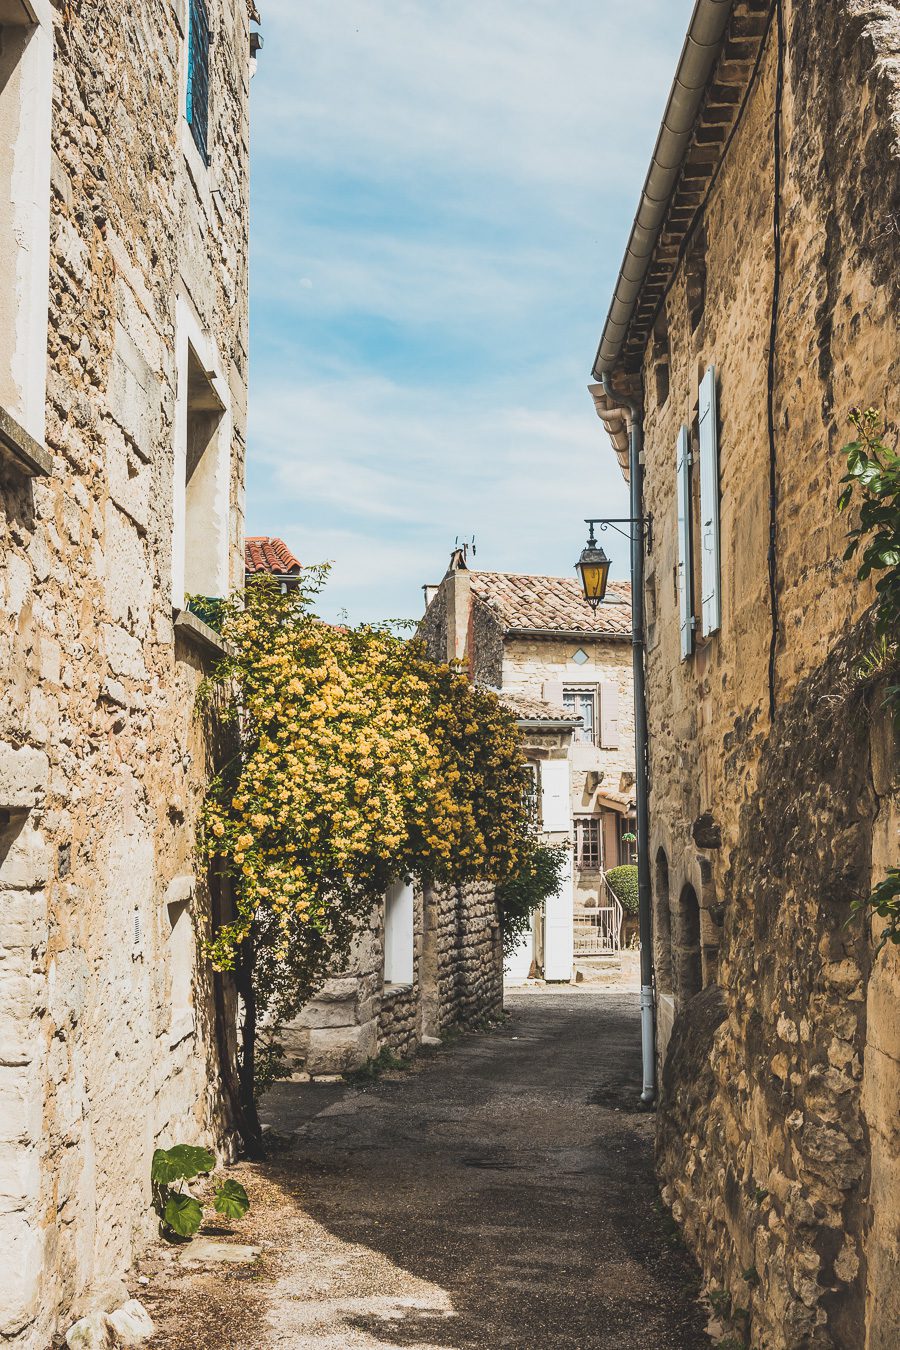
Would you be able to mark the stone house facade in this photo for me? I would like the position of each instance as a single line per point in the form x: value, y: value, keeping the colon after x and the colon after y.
x: 565, y: 671
x: 757, y: 304
x: 431, y: 957
x: 123, y: 388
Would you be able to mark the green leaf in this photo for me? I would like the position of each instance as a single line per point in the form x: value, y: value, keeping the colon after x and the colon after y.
x: 180, y: 1164
x: 844, y: 499
x: 232, y: 1200
x: 183, y: 1214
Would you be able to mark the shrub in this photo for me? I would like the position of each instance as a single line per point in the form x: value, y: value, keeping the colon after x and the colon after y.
x: 623, y: 882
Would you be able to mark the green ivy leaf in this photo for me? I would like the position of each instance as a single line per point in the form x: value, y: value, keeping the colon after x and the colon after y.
x: 180, y: 1164
x: 183, y: 1214
x: 232, y: 1200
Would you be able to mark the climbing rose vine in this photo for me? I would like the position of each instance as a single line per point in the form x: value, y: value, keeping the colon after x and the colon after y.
x: 357, y: 761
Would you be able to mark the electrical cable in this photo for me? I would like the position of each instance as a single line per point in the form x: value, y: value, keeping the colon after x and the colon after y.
x: 771, y: 371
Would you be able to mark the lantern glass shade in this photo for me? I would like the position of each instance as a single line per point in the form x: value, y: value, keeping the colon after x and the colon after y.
x: 593, y: 568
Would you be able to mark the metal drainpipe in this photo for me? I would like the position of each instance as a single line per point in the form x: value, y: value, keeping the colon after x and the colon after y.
x: 645, y: 917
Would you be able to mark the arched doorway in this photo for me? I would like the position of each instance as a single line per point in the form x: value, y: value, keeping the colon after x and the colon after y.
x: 662, y: 925
x: 686, y: 958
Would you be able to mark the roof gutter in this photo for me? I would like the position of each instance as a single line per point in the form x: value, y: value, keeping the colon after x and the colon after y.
x: 701, y: 50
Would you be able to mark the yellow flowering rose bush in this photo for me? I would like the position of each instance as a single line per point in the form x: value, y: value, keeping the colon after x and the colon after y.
x: 359, y: 761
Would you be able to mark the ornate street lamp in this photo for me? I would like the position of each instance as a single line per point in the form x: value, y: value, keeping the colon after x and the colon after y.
x: 593, y: 568
x: 593, y: 565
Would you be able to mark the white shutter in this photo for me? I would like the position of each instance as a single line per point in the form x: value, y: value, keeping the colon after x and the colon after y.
x: 553, y: 692
x: 609, y: 716
x: 711, y: 606
x: 559, y: 937
x: 683, y: 458
x: 556, y: 810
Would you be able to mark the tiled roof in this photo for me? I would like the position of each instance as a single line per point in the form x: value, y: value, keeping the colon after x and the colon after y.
x: 553, y: 604
x: 529, y: 709
x: 262, y: 554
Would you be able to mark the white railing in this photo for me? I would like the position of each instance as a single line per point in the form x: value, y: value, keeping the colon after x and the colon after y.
x: 599, y: 930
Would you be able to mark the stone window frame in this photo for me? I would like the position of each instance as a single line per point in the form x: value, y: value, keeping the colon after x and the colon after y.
x: 584, y: 735
x: 588, y: 835
x: 23, y: 386
x: 190, y: 336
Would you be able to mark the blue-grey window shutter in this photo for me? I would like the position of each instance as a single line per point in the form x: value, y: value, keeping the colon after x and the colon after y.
x: 710, y: 584
x: 683, y: 460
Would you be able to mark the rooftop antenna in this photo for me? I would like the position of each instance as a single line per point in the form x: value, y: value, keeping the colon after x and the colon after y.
x: 465, y: 546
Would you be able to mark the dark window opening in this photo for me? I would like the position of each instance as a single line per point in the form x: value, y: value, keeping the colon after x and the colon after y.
x: 695, y: 272
x: 662, y: 925
x: 197, y: 109
x: 661, y: 358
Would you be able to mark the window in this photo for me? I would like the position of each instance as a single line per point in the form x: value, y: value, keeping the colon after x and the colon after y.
x: 198, y: 44
x: 202, y: 467
x: 588, y: 844
x: 627, y: 840
x: 582, y: 703
x: 695, y: 274
x: 532, y: 795
x: 710, y: 587
x: 26, y: 100
x: 698, y: 519
x: 399, y: 932
x: 661, y: 358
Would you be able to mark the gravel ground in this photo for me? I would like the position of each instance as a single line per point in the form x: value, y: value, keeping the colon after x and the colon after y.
x: 501, y: 1194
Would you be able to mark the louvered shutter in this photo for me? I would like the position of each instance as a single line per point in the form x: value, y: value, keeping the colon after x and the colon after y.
x: 711, y: 606
x: 609, y: 716
x: 556, y: 809
x: 684, y: 543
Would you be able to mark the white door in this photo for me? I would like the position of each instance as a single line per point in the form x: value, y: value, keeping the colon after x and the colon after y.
x: 559, y: 934
x: 517, y: 965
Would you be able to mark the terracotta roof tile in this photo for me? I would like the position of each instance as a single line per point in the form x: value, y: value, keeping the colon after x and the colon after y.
x: 264, y: 554
x: 530, y: 709
x: 553, y: 604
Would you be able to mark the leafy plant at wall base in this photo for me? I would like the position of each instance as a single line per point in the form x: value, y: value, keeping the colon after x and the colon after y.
x: 623, y: 881
x: 359, y: 760
x: 181, y: 1213
x: 873, y: 470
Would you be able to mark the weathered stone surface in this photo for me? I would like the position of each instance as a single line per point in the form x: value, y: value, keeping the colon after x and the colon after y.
x: 98, y: 733
x: 93, y: 1332
x: 131, y: 1324
x: 784, y: 1164
x: 206, y: 1251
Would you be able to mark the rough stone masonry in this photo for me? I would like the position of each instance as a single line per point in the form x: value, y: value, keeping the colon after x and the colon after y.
x: 779, y: 1129
x: 107, y: 1035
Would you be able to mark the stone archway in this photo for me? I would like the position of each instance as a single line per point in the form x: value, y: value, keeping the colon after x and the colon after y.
x: 687, y: 965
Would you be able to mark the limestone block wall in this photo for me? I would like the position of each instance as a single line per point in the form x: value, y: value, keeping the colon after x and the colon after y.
x: 530, y: 664
x: 774, y: 826
x: 106, y: 1016
x: 457, y: 981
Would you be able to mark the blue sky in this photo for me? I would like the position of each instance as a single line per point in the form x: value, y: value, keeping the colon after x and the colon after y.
x: 440, y: 201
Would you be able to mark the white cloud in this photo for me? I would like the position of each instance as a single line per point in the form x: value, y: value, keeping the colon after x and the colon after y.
x: 442, y: 190
x: 541, y: 92
x: 392, y: 476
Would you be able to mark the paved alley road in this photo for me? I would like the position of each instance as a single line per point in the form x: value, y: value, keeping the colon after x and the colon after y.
x: 503, y: 1196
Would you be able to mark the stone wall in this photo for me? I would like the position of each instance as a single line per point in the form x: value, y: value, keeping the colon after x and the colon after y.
x: 106, y: 1019
x: 457, y: 981
x: 784, y: 1180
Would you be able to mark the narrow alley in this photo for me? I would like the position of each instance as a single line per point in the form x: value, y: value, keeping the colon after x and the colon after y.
x: 500, y: 1194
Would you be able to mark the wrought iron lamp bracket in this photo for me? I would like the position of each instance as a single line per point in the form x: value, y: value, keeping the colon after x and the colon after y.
x: 645, y: 524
